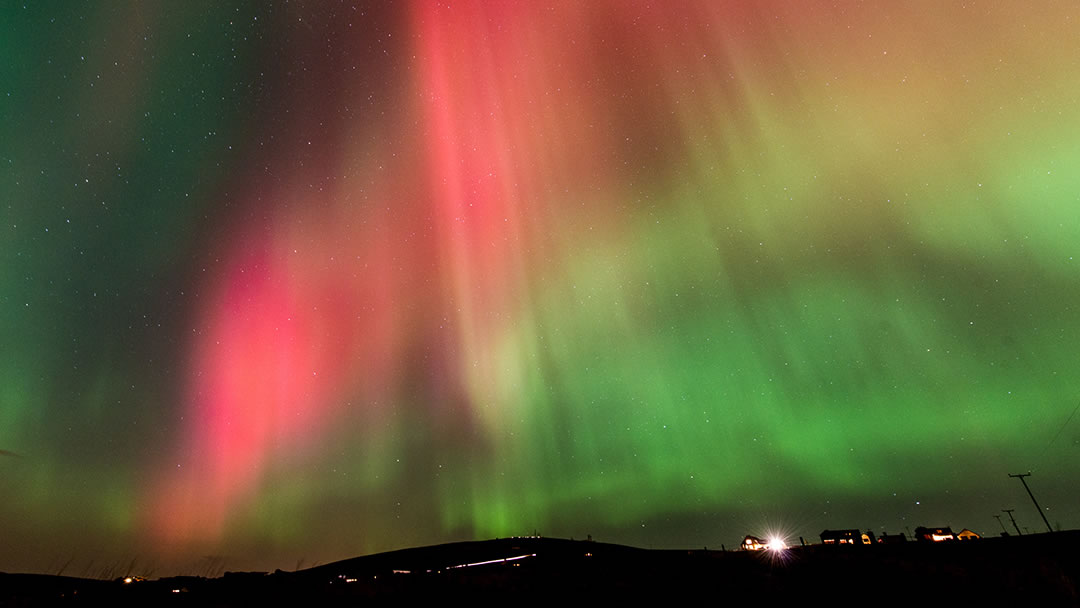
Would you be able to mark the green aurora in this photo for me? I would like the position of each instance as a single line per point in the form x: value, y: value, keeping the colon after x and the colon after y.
x: 662, y: 277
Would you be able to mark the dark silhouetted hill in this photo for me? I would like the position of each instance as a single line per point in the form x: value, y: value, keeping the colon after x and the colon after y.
x: 1028, y: 570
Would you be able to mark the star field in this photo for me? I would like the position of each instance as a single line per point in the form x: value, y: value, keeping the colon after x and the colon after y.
x: 286, y: 281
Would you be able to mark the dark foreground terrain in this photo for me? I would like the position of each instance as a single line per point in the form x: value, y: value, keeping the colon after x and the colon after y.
x: 1030, y: 570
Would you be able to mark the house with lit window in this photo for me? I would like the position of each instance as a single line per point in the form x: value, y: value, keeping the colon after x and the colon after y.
x: 753, y: 543
x: 891, y: 539
x: 934, y: 535
x: 847, y: 537
x: 966, y: 534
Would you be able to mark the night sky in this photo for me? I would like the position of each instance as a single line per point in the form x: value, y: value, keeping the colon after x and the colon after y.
x: 285, y: 283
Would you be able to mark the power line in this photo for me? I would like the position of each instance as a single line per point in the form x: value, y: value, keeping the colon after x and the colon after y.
x: 998, y: 517
x: 1010, y: 512
x: 1060, y: 431
x: 1021, y: 477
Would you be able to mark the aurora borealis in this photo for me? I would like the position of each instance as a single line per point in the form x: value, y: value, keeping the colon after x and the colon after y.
x: 285, y: 281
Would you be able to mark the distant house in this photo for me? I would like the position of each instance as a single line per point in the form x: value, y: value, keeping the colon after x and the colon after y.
x: 847, y: 537
x: 753, y: 543
x: 966, y: 534
x: 891, y: 539
x: 934, y: 535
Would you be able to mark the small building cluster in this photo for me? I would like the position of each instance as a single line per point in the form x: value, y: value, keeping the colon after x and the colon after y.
x: 938, y: 535
x: 847, y: 537
x: 856, y: 537
x: 931, y: 535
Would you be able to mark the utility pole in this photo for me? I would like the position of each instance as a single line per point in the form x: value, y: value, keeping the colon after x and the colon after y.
x: 1010, y: 512
x: 1043, y: 515
x: 998, y: 517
